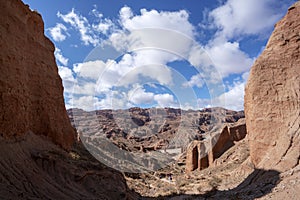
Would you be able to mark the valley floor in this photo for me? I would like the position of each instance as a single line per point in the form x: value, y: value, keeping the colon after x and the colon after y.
x: 33, y: 168
x: 232, y: 177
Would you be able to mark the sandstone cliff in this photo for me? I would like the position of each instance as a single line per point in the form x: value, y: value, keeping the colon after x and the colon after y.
x: 272, y: 98
x: 31, y: 105
x: 202, y: 154
x: 31, y: 91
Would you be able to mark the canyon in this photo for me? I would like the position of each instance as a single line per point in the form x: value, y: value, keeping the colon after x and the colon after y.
x: 219, y: 153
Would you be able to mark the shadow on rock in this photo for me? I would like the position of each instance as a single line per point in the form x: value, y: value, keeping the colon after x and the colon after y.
x: 256, y: 185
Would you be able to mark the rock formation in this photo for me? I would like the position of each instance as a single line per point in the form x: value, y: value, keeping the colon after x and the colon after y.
x: 35, y: 168
x: 151, y: 128
x: 272, y: 98
x: 32, y: 107
x: 202, y: 154
x: 31, y: 91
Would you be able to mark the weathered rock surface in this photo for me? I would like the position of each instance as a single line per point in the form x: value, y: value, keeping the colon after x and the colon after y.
x: 32, y: 111
x: 34, y: 168
x: 152, y: 136
x: 151, y: 128
x: 202, y: 154
x: 31, y: 91
x: 272, y: 98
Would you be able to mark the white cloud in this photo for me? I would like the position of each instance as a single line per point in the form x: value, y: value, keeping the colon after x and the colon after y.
x: 248, y: 17
x: 232, y: 99
x: 228, y: 58
x: 67, y: 77
x: 223, y: 57
x: 164, y: 100
x: 153, y: 29
x: 156, y: 38
x: 134, y: 68
x: 233, y: 21
x: 125, y: 13
x: 90, y: 69
x: 140, y: 96
x: 87, y: 103
x: 114, y: 100
x: 58, y: 32
x: 175, y: 21
x: 204, y: 103
x: 103, y: 26
x: 96, y: 13
x: 84, y: 88
x: 58, y: 55
x: 81, y: 24
x: 196, y: 80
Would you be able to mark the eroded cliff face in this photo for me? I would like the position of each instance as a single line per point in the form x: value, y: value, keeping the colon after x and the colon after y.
x: 31, y: 104
x: 31, y: 91
x: 272, y: 98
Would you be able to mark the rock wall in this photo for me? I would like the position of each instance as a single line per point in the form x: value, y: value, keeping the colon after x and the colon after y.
x: 31, y: 91
x: 272, y: 98
x: 202, y: 154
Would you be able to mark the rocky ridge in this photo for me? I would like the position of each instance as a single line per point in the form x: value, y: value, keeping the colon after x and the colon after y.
x: 150, y: 138
x: 138, y: 129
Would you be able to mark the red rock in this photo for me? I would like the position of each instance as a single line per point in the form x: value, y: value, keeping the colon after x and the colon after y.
x: 31, y: 91
x: 272, y: 98
x: 202, y: 154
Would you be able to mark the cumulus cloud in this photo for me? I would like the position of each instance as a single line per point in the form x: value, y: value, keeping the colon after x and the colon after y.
x: 175, y: 21
x: 249, y: 17
x: 152, y: 39
x: 66, y: 75
x: 232, y: 99
x: 164, y: 100
x: 58, y: 32
x: 87, y: 103
x: 233, y: 21
x: 228, y: 58
x: 90, y: 69
x: 140, y: 96
x: 133, y: 68
x: 196, y: 80
x: 60, y: 58
x: 153, y: 29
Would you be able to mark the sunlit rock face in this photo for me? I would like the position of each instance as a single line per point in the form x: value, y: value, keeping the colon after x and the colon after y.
x: 272, y: 98
x: 202, y: 154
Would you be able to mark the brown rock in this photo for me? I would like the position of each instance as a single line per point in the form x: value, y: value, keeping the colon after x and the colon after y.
x: 272, y: 98
x: 196, y: 157
x: 238, y: 131
x: 35, y: 168
x: 31, y: 91
x: 202, y: 154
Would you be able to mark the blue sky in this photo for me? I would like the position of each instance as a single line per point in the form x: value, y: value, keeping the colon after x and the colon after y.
x: 172, y: 53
